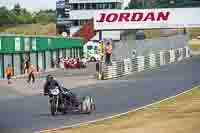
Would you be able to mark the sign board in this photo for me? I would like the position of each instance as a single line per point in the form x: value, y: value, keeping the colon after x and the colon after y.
x: 60, y: 4
x: 26, y: 44
x: 147, y: 18
x: 17, y: 44
x: 34, y: 44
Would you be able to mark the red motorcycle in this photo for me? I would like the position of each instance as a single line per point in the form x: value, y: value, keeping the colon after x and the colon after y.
x: 67, y: 64
x: 75, y: 64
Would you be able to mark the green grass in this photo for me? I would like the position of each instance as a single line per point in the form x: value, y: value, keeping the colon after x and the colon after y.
x: 155, y: 33
x: 194, y: 44
x: 31, y: 29
x: 50, y: 29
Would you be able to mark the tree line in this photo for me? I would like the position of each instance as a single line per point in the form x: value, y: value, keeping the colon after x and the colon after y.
x: 142, y: 4
x: 18, y: 15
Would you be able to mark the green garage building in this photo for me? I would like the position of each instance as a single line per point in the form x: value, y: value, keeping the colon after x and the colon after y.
x: 41, y: 50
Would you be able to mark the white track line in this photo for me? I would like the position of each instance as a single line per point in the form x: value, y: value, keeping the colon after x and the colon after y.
x: 118, y: 115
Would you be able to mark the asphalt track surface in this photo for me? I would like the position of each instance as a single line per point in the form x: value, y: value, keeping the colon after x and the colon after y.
x: 30, y: 114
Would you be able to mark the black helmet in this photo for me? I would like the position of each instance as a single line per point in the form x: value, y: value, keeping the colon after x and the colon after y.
x: 49, y: 77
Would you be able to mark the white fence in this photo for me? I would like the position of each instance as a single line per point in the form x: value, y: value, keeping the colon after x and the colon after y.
x: 141, y: 63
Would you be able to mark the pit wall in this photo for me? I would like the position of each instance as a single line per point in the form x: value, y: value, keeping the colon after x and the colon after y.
x: 154, y: 60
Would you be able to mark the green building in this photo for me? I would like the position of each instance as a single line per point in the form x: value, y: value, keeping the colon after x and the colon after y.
x: 42, y: 51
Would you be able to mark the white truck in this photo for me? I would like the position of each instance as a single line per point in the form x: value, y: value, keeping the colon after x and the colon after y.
x: 90, y: 51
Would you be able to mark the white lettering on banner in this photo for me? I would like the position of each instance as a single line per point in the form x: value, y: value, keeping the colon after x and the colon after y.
x: 17, y: 44
x: 26, y: 44
x: 147, y: 18
x: 49, y: 42
x: 34, y: 44
x: 0, y: 43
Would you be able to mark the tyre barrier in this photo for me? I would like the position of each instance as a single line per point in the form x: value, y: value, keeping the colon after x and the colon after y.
x: 140, y: 63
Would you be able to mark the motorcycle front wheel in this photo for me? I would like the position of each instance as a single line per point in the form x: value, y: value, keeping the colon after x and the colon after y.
x: 53, y: 106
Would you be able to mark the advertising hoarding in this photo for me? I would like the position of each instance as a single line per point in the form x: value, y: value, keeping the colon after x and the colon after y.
x: 147, y: 18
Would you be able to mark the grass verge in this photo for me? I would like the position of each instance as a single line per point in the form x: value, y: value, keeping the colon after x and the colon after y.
x: 194, y: 44
x: 155, y: 33
x: 31, y: 29
x: 177, y: 115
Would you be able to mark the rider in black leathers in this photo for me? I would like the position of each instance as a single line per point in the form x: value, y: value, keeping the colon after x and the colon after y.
x: 50, y: 84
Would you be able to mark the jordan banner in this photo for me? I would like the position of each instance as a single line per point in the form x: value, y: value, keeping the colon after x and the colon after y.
x: 147, y: 18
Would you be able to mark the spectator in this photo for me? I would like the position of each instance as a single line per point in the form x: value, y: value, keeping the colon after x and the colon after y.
x: 78, y: 63
x: 67, y: 63
x: 108, y: 50
x: 84, y: 62
x: 53, y: 63
x: 97, y: 67
x: 31, y: 75
x: 26, y: 65
x: 101, y: 49
x: 8, y: 73
x: 62, y: 63
x: 58, y: 63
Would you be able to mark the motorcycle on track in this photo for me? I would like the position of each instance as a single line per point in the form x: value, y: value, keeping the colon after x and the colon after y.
x: 64, y: 101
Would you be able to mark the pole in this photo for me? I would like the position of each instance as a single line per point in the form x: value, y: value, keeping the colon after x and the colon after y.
x: 100, y: 62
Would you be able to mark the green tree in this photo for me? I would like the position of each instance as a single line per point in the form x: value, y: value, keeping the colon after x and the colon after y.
x: 134, y: 4
x: 6, y: 17
x: 19, y: 15
x: 177, y: 3
x: 17, y: 9
x: 45, y: 16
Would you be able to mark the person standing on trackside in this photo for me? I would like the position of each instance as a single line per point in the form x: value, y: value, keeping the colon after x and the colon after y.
x: 26, y: 65
x: 101, y: 49
x: 108, y: 49
x: 8, y: 73
x: 31, y: 74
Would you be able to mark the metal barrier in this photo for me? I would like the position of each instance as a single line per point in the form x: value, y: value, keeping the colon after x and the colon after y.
x: 141, y: 63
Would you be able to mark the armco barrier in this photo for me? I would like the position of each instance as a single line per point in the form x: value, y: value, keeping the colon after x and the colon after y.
x: 157, y: 60
x: 152, y: 60
x: 141, y: 63
x: 114, y: 69
x: 162, y: 58
x: 134, y: 65
x: 172, y: 56
x: 187, y: 52
x: 147, y: 62
x: 180, y: 57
